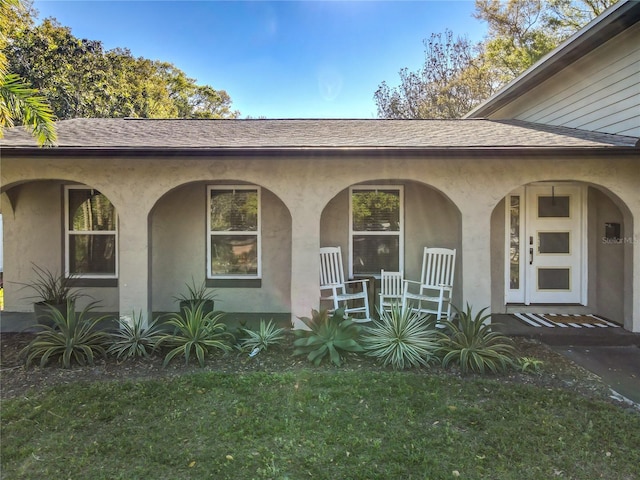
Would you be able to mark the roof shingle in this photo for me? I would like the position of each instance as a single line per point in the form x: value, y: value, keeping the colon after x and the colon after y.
x: 124, y: 133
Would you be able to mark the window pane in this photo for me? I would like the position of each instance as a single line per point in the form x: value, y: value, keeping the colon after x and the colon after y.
x: 89, y: 210
x: 371, y: 253
x: 514, y: 242
x: 92, y: 254
x: 549, y: 207
x: 234, y: 254
x: 376, y: 210
x: 553, y: 279
x: 234, y: 210
x: 553, y: 242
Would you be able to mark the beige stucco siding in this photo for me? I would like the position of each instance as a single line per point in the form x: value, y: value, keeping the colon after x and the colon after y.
x: 454, y: 202
x: 600, y: 92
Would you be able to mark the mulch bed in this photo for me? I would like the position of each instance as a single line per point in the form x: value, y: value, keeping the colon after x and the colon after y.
x: 17, y: 380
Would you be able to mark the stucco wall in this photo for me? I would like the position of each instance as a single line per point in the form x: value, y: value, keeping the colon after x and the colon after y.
x: 446, y: 198
x: 34, y: 234
x: 179, y: 236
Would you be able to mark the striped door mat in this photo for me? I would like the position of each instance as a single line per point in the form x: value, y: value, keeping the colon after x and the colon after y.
x: 564, y: 321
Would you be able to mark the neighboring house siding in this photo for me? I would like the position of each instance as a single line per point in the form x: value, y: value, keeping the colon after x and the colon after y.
x: 600, y: 92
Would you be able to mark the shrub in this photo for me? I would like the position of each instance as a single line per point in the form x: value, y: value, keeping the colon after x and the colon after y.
x: 469, y: 342
x: 134, y: 339
x: 327, y: 335
x: 72, y: 336
x: 195, y: 331
x: 266, y: 336
x: 402, y: 338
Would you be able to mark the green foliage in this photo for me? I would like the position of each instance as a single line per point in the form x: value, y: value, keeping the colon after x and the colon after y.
x: 327, y: 335
x: 267, y: 335
x: 51, y: 287
x: 134, y: 338
x: 79, y: 78
x: 197, y: 331
x: 196, y: 293
x: 470, y: 343
x: 73, y: 336
x: 529, y: 364
x: 19, y: 103
x: 402, y: 338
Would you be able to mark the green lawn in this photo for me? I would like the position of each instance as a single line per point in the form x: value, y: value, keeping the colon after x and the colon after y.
x: 316, y: 424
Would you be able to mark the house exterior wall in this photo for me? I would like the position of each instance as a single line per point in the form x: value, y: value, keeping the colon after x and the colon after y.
x: 448, y: 199
x: 599, y: 92
x: 178, y: 246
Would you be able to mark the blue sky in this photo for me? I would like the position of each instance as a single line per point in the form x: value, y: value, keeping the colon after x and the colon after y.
x: 298, y: 59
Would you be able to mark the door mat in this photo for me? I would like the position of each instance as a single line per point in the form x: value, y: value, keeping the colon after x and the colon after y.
x: 564, y: 321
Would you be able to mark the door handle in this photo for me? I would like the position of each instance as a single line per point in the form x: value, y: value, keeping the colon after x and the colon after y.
x: 531, y: 250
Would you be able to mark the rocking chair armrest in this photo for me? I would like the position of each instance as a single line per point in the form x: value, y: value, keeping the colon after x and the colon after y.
x: 360, y: 280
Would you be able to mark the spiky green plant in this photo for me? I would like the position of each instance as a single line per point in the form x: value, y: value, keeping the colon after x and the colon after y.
x: 197, y: 331
x: 135, y: 339
x: 72, y: 336
x: 51, y: 287
x: 470, y: 342
x: 196, y: 293
x: 266, y: 336
x: 402, y: 338
x: 327, y: 335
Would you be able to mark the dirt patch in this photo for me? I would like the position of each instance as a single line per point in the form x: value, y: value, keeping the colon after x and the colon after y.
x: 18, y: 380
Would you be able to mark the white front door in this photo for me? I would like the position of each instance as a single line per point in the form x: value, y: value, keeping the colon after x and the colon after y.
x: 554, y: 250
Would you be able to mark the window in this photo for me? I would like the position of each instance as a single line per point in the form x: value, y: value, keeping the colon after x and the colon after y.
x: 234, y: 232
x: 91, y: 234
x: 376, y: 229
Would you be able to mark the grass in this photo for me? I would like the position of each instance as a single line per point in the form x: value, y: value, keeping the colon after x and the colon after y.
x: 316, y: 424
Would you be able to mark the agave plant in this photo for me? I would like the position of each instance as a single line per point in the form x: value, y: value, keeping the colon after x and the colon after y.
x: 195, y: 330
x: 72, y: 336
x: 470, y: 342
x: 135, y: 339
x: 402, y: 338
x: 267, y: 335
x: 327, y: 335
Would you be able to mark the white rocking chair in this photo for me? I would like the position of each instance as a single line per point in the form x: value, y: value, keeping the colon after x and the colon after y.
x: 332, y: 280
x: 435, y: 286
x: 391, y: 288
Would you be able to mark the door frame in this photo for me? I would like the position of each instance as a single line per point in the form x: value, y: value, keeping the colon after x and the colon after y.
x: 516, y: 273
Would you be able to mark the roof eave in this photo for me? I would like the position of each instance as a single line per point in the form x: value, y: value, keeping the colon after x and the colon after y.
x: 456, y: 151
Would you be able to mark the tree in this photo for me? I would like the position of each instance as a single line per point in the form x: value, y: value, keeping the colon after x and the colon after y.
x: 523, y: 31
x: 81, y: 79
x: 19, y: 103
x: 457, y: 76
x: 452, y: 80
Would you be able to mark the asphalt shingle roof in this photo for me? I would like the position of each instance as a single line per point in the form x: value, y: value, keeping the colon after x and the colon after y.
x: 113, y: 133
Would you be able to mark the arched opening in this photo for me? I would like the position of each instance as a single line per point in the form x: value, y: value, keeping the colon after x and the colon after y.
x: 573, y: 230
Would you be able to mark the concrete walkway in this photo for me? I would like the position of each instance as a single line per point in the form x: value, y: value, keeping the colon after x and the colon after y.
x: 611, y: 353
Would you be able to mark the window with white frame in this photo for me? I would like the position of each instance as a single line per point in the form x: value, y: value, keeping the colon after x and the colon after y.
x: 376, y: 229
x: 91, y: 234
x: 234, y: 249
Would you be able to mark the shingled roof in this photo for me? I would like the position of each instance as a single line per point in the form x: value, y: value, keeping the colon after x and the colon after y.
x: 169, y: 134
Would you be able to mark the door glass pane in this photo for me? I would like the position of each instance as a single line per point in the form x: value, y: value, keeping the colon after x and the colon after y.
x: 374, y: 252
x: 553, y: 242
x: 553, y: 206
x: 514, y: 243
x: 553, y: 279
